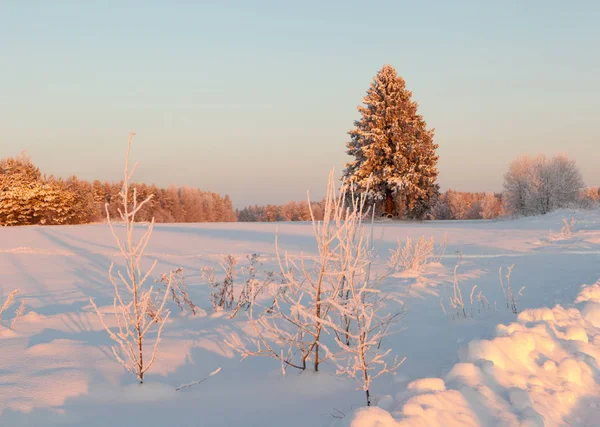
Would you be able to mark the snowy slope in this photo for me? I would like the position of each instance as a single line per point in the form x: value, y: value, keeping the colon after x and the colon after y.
x: 495, y: 368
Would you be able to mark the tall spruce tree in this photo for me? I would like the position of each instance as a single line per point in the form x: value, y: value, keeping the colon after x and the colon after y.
x: 395, y: 156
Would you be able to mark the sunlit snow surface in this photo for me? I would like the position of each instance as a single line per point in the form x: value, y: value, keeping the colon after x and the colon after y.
x: 494, y: 368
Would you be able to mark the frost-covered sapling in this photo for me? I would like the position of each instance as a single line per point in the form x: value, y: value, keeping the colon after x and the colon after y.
x: 365, y: 321
x: 367, y: 359
x: 139, y: 310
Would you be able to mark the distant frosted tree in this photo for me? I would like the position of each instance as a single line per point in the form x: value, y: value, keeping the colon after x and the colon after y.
x: 173, y: 204
x: 565, y: 181
x: 591, y: 195
x: 53, y: 203
x: 84, y: 202
x: 289, y: 211
x: 394, y: 153
x: 229, y: 214
x: 271, y: 213
x: 304, y: 211
x: 538, y: 185
x: 491, y: 206
x: 460, y: 205
x: 518, y: 186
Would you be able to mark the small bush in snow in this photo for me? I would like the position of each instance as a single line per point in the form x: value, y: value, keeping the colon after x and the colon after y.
x: 222, y: 292
x: 252, y: 286
x: 223, y: 296
x: 175, y: 282
x: 7, y: 303
x: 510, y: 297
x: 478, y: 303
x: 566, y: 230
x: 414, y: 255
x: 568, y: 227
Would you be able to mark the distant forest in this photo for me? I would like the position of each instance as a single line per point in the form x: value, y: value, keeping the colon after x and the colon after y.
x: 28, y: 198
x: 449, y: 205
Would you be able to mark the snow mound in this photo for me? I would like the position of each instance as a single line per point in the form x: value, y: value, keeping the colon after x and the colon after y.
x: 589, y: 293
x: 533, y: 373
x: 589, y: 297
x: 427, y: 384
x: 368, y: 417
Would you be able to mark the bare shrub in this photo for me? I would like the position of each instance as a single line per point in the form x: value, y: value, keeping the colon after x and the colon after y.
x: 568, y: 227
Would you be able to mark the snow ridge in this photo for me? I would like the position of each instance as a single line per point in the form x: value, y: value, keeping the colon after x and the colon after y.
x: 535, y: 372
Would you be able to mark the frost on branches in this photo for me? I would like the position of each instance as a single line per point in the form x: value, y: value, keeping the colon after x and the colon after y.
x: 138, y: 310
x: 393, y: 149
x: 330, y: 307
x: 292, y: 329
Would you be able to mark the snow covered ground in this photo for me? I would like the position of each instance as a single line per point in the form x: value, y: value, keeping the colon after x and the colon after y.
x: 494, y: 368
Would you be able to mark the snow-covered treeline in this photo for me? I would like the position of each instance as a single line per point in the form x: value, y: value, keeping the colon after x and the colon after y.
x: 28, y: 197
x: 449, y: 205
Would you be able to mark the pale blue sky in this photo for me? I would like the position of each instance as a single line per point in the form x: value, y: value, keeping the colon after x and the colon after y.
x: 254, y: 99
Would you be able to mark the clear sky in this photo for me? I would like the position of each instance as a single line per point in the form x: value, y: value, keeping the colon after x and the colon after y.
x: 254, y: 98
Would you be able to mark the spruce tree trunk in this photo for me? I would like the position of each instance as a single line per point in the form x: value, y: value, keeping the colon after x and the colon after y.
x: 389, y: 204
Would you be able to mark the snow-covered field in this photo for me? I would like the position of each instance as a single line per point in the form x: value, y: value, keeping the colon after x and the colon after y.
x: 494, y: 368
